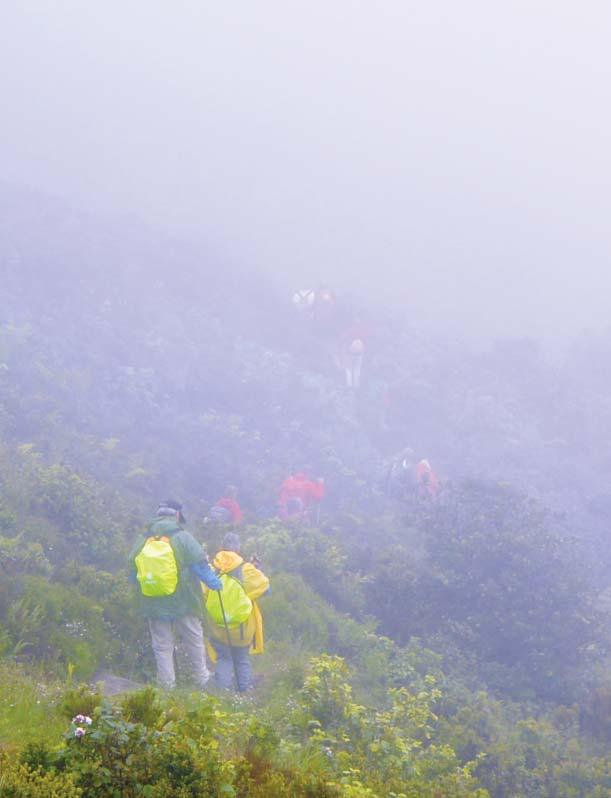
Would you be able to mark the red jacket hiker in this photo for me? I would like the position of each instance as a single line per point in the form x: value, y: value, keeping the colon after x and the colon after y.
x: 358, y: 331
x: 428, y: 484
x: 229, y: 503
x: 233, y: 508
x: 298, y: 492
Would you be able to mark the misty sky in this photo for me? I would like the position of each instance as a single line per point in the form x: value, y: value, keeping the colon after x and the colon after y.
x: 452, y: 156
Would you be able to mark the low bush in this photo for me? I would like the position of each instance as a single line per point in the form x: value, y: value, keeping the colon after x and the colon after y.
x: 17, y: 780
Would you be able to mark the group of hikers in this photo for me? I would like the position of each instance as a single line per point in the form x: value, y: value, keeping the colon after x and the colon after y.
x: 405, y: 477
x: 300, y: 495
x: 299, y: 498
x: 179, y: 588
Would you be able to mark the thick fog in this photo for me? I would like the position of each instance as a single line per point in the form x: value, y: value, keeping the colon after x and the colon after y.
x: 395, y: 453
x: 450, y: 156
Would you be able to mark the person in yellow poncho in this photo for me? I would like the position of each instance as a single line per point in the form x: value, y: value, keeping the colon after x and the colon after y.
x: 229, y: 644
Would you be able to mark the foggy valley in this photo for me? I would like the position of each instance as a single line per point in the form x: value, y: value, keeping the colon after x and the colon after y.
x: 305, y: 416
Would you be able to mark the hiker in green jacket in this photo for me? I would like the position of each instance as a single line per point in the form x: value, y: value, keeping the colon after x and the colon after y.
x: 169, y: 566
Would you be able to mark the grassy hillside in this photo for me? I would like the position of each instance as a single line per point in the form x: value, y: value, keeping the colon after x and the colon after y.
x: 415, y: 648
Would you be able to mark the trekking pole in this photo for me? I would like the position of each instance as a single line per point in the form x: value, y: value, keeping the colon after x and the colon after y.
x: 235, y: 667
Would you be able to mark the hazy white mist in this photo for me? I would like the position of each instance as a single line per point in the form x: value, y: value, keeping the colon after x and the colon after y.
x: 449, y: 156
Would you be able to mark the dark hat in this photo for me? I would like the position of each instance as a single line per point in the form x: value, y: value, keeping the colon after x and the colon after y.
x: 232, y: 542
x: 171, y: 507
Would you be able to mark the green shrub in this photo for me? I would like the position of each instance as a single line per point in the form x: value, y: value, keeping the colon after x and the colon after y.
x: 20, y: 557
x: 80, y: 700
x: 256, y: 779
x: 112, y: 757
x: 499, y: 582
x: 320, y: 560
x: 52, y: 623
x: 294, y: 613
x: 142, y: 706
x: 18, y: 780
x: 385, y: 749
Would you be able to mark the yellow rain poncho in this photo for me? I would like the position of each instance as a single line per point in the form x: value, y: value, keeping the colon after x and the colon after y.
x: 255, y: 584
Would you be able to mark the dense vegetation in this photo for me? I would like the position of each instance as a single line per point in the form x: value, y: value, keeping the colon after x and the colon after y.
x: 416, y: 648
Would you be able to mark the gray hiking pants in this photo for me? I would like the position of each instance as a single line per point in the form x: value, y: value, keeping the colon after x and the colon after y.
x: 189, y: 629
x: 231, y: 662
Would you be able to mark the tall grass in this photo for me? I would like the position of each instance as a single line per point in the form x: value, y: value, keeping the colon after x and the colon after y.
x: 28, y: 708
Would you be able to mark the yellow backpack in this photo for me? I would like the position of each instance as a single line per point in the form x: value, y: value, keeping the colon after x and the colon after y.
x: 156, y: 567
x: 236, y: 604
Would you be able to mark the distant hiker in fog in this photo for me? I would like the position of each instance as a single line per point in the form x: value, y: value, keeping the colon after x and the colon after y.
x: 226, y: 510
x: 298, y: 494
x: 400, y: 477
x: 352, y: 347
x: 233, y: 621
x: 405, y: 478
x: 303, y: 301
x: 168, y: 563
x: 428, y: 484
x: 317, y: 306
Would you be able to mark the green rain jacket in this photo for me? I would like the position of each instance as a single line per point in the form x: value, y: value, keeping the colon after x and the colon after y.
x: 187, y: 599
